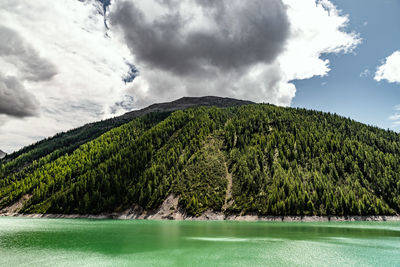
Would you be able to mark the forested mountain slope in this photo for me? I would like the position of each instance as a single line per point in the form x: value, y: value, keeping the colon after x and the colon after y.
x: 279, y: 161
x: 67, y: 142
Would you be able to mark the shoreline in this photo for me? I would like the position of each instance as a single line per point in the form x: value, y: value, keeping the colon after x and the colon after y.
x: 212, y: 216
x: 170, y: 210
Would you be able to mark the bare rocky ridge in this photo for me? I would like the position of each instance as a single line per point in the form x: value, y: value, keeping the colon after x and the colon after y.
x: 187, y: 102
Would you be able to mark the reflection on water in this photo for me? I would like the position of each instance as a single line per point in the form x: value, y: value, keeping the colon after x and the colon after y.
x: 46, y: 242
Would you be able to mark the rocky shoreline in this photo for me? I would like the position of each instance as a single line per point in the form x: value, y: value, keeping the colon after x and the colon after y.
x: 170, y: 210
x: 212, y: 216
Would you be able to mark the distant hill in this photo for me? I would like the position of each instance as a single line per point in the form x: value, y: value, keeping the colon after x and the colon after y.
x: 210, y: 153
x: 2, y: 154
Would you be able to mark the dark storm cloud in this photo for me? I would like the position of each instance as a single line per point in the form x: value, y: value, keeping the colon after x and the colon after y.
x: 244, y: 33
x: 15, y: 100
x: 14, y: 49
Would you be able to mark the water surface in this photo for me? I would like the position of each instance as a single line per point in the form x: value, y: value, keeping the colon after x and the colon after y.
x: 74, y: 242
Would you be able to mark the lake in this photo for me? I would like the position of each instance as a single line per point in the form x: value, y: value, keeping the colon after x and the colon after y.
x: 79, y: 242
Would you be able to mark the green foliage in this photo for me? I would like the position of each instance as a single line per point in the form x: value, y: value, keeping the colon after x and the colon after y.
x: 283, y: 161
x: 58, y: 145
x: 202, y: 183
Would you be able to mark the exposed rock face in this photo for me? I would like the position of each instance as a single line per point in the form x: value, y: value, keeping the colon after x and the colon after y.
x: 15, y: 207
x: 2, y: 154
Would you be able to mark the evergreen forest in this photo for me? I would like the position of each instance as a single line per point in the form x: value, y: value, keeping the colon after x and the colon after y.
x: 281, y: 161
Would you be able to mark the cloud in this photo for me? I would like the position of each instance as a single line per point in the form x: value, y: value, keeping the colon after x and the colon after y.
x: 22, y: 62
x: 395, y: 118
x: 62, y: 53
x: 127, y: 104
x: 79, y: 59
x: 15, y: 100
x: 390, y: 69
x: 14, y: 50
x: 365, y: 73
x: 223, y: 36
x: 252, y: 50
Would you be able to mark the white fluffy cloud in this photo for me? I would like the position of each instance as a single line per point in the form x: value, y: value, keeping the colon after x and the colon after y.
x: 62, y: 58
x: 280, y: 42
x: 395, y: 118
x: 390, y: 69
x: 317, y: 28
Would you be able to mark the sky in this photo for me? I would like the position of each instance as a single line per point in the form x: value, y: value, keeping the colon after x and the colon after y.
x: 67, y: 63
x: 352, y: 88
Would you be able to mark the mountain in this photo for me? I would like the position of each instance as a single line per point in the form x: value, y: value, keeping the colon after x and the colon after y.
x: 209, y: 154
x: 67, y: 142
x: 2, y: 154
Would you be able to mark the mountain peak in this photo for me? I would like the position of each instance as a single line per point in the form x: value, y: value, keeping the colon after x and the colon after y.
x: 189, y: 102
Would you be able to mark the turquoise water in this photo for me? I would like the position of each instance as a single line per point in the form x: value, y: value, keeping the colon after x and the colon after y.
x: 63, y: 242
